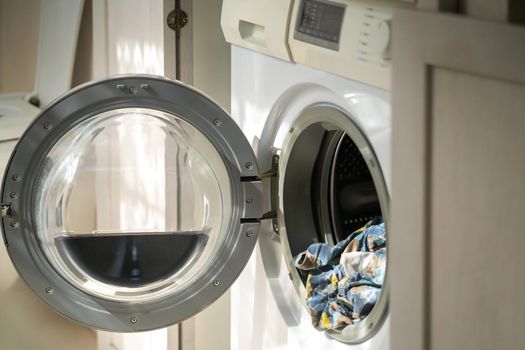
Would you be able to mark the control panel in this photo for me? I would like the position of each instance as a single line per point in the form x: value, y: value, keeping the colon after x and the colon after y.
x: 374, y: 36
x: 345, y: 37
x: 350, y: 38
x: 319, y: 23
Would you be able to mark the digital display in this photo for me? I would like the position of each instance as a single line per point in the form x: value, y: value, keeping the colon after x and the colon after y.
x: 321, y: 19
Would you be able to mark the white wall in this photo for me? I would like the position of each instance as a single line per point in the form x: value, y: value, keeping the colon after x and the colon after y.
x: 211, y: 53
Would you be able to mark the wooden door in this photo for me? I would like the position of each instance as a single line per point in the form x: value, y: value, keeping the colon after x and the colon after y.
x: 457, y: 261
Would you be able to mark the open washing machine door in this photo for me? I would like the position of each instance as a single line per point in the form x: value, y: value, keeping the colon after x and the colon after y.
x: 131, y: 203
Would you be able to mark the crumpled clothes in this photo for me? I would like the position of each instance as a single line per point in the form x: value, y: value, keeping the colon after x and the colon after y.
x: 344, y: 281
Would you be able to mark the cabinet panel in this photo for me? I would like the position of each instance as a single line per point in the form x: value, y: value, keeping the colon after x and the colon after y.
x: 477, y: 200
x: 458, y: 193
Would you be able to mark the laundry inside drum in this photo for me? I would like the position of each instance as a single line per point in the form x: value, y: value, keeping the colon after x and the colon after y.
x: 337, y: 238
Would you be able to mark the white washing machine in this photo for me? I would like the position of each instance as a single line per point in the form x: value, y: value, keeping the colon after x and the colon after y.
x: 316, y: 123
x: 315, y: 103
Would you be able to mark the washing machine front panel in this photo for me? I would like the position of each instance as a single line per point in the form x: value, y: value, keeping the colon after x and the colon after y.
x: 131, y: 203
x: 272, y: 110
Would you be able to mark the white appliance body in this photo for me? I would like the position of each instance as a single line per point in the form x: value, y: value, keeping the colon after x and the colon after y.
x: 268, y: 97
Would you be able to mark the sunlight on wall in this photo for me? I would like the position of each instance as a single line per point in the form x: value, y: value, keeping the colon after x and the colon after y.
x: 139, y: 57
x: 135, y: 31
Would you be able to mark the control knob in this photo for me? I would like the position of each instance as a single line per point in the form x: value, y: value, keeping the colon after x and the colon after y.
x: 379, y: 34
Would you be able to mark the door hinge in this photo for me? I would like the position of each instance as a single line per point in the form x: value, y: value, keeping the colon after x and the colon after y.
x: 177, y: 19
x: 5, y: 210
x: 273, y: 175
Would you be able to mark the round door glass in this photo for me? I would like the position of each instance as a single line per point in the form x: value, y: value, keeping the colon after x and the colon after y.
x: 132, y: 204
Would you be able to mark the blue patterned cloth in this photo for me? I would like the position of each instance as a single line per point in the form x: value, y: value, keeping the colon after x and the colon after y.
x: 344, y: 281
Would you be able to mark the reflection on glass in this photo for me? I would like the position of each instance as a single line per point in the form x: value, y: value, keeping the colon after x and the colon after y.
x: 132, y: 203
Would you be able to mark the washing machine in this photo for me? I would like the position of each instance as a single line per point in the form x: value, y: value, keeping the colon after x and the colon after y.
x: 314, y: 101
x: 328, y: 139
x: 132, y: 203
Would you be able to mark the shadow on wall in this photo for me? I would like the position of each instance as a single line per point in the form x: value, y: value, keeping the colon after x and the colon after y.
x: 26, y: 321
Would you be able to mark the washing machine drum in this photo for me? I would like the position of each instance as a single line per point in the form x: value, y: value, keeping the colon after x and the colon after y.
x: 131, y: 204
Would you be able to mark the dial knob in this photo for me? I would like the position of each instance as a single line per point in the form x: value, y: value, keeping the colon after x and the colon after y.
x: 379, y: 38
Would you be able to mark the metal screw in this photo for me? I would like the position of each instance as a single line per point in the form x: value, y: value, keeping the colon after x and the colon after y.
x: 217, y: 122
x: 249, y: 234
x: 249, y: 165
x: 133, y: 90
x: 216, y: 283
x: 16, y: 178
x: 50, y: 290
x: 133, y: 319
x: 47, y: 125
x: 12, y: 195
x: 249, y: 200
x: 14, y: 224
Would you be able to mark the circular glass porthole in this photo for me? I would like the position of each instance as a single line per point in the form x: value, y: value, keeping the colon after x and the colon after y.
x: 332, y: 190
x: 131, y: 203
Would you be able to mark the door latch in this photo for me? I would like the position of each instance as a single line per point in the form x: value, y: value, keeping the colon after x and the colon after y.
x: 5, y: 210
x: 177, y: 19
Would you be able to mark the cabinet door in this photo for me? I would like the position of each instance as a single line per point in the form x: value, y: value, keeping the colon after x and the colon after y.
x: 458, y: 196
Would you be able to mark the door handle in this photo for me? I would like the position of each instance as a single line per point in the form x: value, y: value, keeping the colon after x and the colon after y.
x: 252, y: 33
